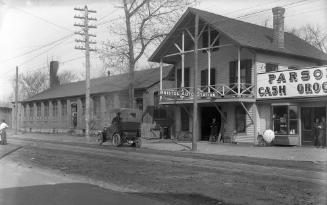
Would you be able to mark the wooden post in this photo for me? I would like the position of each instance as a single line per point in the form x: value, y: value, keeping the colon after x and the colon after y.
x: 160, y: 78
x: 195, y: 71
x: 183, y: 59
x: 16, y: 102
x: 209, y: 57
x: 238, y: 71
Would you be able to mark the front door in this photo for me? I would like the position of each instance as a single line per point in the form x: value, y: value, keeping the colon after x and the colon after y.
x: 308, y: 117
x: 207, y: 114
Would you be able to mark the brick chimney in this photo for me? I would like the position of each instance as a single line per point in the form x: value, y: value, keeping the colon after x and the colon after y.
x: 54, y: 80
x: 278, y: 30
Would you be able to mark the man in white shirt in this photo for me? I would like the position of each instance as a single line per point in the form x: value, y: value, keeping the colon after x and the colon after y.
x: 3, y: 137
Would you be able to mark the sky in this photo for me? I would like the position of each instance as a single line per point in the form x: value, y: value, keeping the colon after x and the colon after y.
x: 27, y: 26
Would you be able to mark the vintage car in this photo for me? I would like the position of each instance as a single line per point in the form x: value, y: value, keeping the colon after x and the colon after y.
x: 126, y: 129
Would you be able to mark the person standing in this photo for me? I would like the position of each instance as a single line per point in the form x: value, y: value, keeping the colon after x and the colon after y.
x: 213, y: 131
x: 322, y: 131
x: 3, y: 127
x: 316, y: 125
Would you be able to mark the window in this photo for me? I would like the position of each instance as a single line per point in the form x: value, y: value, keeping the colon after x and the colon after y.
x: 246, y: 66
x: 139, y: 103
x: 213, y: 35
x: 186, y: 77
x: 171, y: 75
x: 38, y: 109
x: 54, y: 108
x: 83, y: 106
x: 240, y: 119
x: 63, y: 108
x: 109, y: 102
x: 184, y: 119
x: 96, y: 106
x: 204, y: 77
x: 285, y: 120
x: 25, y: 110
x: 271, y: 67
x: 158, y: 111
x: 46, y: 109
x: 31, y: 110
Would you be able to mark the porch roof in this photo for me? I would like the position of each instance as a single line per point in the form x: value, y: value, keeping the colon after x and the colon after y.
x: 239, y: 32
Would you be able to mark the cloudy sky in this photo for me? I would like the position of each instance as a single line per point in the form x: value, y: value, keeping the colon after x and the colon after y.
x: 28, y: 26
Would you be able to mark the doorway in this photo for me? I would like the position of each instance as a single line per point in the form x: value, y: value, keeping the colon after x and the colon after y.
x: 74, y: 114
x: 207, y: 114
x: 308, y: 116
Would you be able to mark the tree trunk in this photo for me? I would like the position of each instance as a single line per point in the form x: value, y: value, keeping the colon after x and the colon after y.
x: 131, y: 56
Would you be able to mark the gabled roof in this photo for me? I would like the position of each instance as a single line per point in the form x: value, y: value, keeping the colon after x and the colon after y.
x: 243, y: 34
x: 114, y: 83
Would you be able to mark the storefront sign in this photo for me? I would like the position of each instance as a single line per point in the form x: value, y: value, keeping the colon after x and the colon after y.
x: 309, y: 82
x: 183, y: 93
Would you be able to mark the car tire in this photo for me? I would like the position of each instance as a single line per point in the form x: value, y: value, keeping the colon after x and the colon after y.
x: 116, y: 140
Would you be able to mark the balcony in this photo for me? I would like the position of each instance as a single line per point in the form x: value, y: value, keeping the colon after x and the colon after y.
x: 218, y: 92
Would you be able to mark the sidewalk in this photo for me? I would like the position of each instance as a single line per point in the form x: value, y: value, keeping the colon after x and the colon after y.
x: 275, y: 152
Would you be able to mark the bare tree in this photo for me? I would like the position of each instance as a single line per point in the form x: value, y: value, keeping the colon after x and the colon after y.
x: 146, y: 23
x: 312, y: 34
x: 34, y: 82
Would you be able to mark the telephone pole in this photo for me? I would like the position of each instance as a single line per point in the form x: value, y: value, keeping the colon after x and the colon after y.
x: 16, y: 102
x: 85, y: 41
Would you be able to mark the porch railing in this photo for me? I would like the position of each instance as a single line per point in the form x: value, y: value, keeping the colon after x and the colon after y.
x: 208, y: 92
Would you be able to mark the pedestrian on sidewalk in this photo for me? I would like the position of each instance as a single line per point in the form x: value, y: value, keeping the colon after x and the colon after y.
x: 3, y: 134
x: 316, y: 125
x: 322, y: 131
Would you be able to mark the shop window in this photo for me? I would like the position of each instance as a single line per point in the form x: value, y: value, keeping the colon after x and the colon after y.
x: 186, y: 77
x: 245, y: 66
x: 184, y: 119
x: 63, y: 108
x: 25, y: 110
x: 38, y: 109
x: 240, y: 119
x: 270, y: 67
x: 285, y: 120
x: 204, y: 77
x: 205, y: 39
x: 54, y: 109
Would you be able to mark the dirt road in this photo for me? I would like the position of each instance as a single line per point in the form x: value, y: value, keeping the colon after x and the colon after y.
x: 183, y: 178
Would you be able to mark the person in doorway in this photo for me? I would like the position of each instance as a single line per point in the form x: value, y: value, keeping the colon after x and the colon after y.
x: 3, y: 134
x: 316, y: 125
x: 74, y: 119
x: 213, y: 130
x: 322, y: 131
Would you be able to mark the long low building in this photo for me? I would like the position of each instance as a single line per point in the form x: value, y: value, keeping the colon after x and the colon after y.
x: 61, y: 108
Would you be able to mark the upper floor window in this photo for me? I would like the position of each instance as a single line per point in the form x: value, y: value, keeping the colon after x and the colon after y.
x: 246, y: 66
x: 186, y: 77
x: 271, y: 67
x: 213, y: 36
x: 204, y: 77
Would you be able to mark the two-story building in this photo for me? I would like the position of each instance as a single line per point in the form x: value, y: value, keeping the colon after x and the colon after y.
x: 218, y: 64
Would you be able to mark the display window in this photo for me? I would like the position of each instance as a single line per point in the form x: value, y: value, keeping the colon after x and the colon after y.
x: 285, y: 120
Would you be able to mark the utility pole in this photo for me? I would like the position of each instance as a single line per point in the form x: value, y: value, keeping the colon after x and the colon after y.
x: 16, y: 102
x: 86, y: 47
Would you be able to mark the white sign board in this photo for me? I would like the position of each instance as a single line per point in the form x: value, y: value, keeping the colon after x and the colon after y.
x: 308, y: 82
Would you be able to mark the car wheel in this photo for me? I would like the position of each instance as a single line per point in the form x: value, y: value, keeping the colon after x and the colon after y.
x: 138, y: 143
x: 116, y: 140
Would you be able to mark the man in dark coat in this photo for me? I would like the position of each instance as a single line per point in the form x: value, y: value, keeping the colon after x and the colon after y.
x: 213, y: 130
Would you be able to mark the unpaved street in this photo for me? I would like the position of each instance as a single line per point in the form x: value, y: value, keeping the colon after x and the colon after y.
x: 181, y: 178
